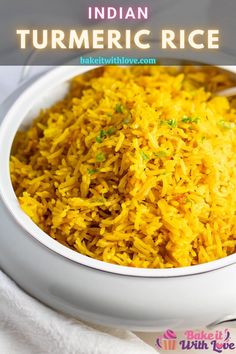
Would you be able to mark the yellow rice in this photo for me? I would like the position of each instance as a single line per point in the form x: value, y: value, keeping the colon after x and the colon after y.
x: 136, y: 166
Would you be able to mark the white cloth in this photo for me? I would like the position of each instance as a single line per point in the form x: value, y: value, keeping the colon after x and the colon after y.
x: 29, y: 327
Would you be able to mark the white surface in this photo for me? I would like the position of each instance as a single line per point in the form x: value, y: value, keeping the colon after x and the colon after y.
x: 29, y: 327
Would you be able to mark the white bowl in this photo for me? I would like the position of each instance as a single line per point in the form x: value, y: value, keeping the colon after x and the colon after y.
x: 103, y: 293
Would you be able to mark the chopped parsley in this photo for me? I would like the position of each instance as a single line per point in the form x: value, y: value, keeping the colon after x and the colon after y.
x: 103, y: 133
x: 100, y: 157
x: 190, y: 119
x: 160, y: 154
x: 144, y: 156
x: 92, y: 171
x: 98, y: 139
x: 172, y: 123
x: 110, y: 131
x: 119, y: 108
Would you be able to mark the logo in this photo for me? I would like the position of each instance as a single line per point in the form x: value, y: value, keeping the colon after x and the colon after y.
x: 168, y: 341
x: 217, y: 341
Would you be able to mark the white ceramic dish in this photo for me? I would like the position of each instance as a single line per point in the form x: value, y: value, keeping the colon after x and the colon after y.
x: 134, y: 298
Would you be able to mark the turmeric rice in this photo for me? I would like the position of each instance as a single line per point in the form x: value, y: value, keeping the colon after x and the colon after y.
x: 135, y: 166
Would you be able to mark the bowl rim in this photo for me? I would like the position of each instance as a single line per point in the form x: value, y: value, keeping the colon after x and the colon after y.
x: 8, y: 129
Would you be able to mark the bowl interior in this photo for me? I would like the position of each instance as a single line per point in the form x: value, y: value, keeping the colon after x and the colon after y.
x: 42, y: 94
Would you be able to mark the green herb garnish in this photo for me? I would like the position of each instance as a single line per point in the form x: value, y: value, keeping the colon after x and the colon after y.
x: 226, y: 125
x: 92, y: 171
x: 160, y: 154
x: 100, y: 157
x: 190, y: 120
x: 144, y: 156
x: 110, y: 131
x: 172, y: 123
x: 98, y: 139
x: 103, y: 133
x: 119, y: 108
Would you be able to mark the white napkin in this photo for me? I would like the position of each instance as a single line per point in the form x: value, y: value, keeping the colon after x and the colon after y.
x: 29, y: 327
